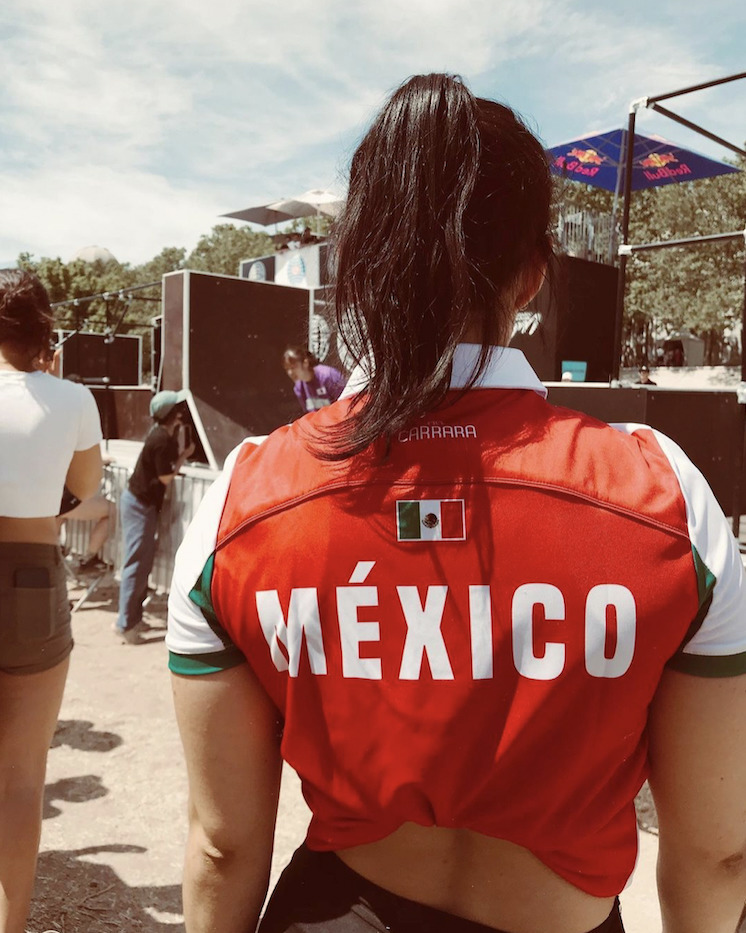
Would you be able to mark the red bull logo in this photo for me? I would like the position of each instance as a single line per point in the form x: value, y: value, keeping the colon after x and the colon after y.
x: 658, y: 160
x: 658, y: 166
x: 586, y: 156
x: 571, y: 162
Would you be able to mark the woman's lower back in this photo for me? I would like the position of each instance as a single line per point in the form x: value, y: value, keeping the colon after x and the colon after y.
x: 29, y: 530
x: 486, y: 880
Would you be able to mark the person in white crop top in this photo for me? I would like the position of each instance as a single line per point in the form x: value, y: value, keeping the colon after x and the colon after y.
x: 50, y: 434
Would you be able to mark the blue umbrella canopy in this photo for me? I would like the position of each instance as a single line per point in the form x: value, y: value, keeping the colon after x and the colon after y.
x: 597, y: 159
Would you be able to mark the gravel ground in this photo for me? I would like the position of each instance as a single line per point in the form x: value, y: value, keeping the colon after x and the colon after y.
x: 115, y: 799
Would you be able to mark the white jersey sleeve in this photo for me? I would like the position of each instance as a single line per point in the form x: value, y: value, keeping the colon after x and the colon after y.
x: 716, y: 643
x: 196, y: 642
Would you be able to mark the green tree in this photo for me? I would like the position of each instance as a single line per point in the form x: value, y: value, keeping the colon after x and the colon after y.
x: 75, y: 282
x: 572, y: 196
x: 222, y: 249
x: 317, y: 223
x: 170, y: 259
x: 696, y: 287
x: 54, y: 274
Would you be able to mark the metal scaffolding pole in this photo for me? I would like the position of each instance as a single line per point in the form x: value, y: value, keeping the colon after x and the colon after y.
x: 698, y: 87
x: 624, y: 249
x: 621, y: 282
x: 741, y: 440
x: 696, y: 127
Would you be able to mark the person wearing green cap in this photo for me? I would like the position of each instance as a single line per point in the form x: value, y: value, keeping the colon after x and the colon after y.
x: 160, y: 460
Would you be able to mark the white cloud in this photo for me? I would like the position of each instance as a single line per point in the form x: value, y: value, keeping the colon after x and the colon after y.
x: 422, y: 35
x: 167, y: 114
x: 594, y: 64
x: 134, y: 214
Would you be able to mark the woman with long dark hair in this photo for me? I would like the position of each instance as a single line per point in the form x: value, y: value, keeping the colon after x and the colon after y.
x: 50, y: 435
x: 472, y: 622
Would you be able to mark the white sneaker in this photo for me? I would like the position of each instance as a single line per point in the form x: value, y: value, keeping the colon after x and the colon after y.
x: 130, y: 636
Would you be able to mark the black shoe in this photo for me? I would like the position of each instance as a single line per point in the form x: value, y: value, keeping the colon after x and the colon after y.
x: 92, y: 564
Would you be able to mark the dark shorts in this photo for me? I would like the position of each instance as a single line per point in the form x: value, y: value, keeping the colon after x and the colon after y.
x: 35, y: 632
x: 318, y: 893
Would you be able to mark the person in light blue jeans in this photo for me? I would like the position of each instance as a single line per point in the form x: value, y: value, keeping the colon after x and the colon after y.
x: 160, y: 460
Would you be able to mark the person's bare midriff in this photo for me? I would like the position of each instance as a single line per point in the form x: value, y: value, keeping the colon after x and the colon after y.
x: 29, y: 530
x: 487, y: 880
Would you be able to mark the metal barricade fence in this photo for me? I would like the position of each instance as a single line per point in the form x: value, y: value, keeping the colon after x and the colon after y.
x: 588, y: 235
x: 183, y: 496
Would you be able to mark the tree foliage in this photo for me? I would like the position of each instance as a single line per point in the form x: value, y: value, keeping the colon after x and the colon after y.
x: 700, y: 287
x: 73, y: 283
x: 222, y: 250
x: 697, y: 288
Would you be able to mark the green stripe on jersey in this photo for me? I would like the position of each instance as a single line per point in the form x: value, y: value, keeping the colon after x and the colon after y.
x: 705, y: 588
x: 212, y: 663
x: 201, y: 595
x: 705, y: 579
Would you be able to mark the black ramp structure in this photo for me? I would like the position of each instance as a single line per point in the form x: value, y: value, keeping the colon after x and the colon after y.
x: 572, y: 318
x: 124, y: 410
x: 223, y: 339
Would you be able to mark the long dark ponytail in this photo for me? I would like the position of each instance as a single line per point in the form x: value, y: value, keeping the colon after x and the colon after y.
x: 448, y: 202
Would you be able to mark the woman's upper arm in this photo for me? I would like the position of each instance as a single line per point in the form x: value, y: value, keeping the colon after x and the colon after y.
x: 230, y: 731
x: 697, y: 734
x: 86, y: 467
x: 698, y: 715
x: 84, y: 473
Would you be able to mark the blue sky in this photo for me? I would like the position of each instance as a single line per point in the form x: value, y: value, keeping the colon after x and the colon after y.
x: 135, y: 125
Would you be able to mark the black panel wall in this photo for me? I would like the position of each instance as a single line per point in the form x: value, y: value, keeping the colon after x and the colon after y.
x: 233, y: 332
x: 706, y: 425
x: 94, y: 358
x: 572, y: 318
x: 174, y: 294
x: 125, y: 411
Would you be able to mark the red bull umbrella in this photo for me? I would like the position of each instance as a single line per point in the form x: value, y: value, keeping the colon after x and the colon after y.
x: 597, y: 159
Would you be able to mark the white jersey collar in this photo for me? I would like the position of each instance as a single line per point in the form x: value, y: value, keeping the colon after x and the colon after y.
x: 507, y: 368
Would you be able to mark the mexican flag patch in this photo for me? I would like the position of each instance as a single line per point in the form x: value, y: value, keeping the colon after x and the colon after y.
x: 430, y: 520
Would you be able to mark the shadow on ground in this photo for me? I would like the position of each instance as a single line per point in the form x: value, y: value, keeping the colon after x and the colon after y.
x: 106, y: 598
x: 80, y: 734
x: 73, y: 895
x: 72, y: 790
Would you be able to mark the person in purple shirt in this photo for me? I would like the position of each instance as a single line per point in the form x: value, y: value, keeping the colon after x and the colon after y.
x: 315, y: 385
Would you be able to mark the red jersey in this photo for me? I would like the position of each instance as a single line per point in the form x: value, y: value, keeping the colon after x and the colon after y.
x: 468, y: 634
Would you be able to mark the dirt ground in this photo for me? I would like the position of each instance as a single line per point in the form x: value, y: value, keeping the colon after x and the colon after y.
x: 115, y: 800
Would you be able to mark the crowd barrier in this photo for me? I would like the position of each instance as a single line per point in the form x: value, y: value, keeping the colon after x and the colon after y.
x: 183, y: 496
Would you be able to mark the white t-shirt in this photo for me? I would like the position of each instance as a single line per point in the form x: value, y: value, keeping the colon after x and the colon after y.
x: 43, y: 422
